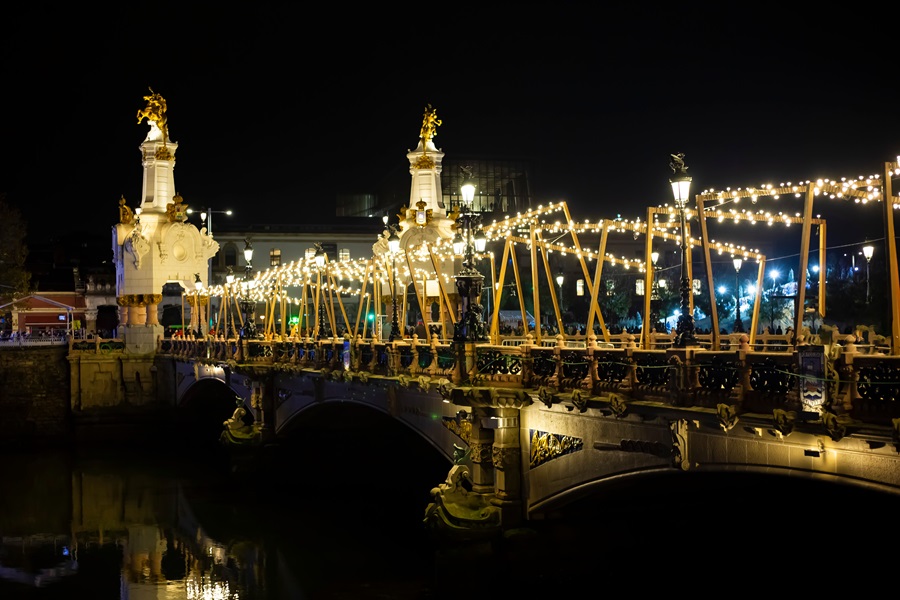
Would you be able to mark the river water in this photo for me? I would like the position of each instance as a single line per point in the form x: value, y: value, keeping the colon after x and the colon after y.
x: 337, y: 514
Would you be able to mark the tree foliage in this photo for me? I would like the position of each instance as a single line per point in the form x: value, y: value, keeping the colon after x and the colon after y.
x: 15, y: 279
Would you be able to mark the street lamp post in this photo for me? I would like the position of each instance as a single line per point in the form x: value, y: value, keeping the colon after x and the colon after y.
x: 868, y: 251
x: 654, y: 294
x: 247, y: 304
x: 469, y: 239
x: 206, y: 221
x: 681, y: 187
x: 229, y: 283
x: 198, y: 285
x: 323, y: 317
x: 559, y: 281
x: 206, y: 217
x: 774, y: 275
x: 394, y: 248
x: 738, y: 324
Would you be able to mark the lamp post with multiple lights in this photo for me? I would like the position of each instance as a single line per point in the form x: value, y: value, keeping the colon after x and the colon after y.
x: 323, y: 316
x: 206, y: 217
x: 738, y: 324
x: 248, y: 305
x: 681, y: 187
x: 468, y: 240
x: 206, y: 221
x: 394, y: 248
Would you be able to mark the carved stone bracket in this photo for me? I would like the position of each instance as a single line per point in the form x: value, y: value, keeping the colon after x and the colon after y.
x: 680, y: 454
x: 480, y: 453
x: 727, y: 415
x: 580, y: 400
x: 784, y: 421
x: 617, y: 405
x: 503, y: 457
x: 835, y: 425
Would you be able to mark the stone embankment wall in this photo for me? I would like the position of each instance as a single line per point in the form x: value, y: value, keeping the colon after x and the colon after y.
x: 34, y: 394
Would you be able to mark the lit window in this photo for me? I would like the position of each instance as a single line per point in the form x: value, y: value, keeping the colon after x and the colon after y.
x: 639, y: 287
x: 275, y: 257
x: 310, y: 253
x: 610, y: 287
x: 696, y: 287
x: 345, y: 254
x: 579, y: 287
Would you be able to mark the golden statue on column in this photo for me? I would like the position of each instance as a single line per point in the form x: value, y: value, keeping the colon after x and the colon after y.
x: 155, y: 112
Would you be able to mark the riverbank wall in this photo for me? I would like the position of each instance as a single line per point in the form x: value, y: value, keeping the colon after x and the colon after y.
x: 34, y: 394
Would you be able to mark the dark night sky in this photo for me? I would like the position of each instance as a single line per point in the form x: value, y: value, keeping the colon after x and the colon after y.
x: 277, y: 109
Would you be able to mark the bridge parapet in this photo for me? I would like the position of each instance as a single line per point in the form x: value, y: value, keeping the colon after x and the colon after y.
x: 854, y: 385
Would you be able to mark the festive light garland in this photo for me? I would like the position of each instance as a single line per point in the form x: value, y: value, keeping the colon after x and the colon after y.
x: 271, y: 283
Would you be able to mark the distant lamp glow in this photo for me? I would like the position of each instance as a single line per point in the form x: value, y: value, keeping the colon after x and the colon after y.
x: 207, y: 213
x: 320, y: 257
x: 229, y: 276
x: 394, y: 243
x: 198, y: 283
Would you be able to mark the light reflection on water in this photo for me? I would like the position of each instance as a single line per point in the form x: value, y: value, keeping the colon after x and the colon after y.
x: 338, y: 516
x: 332, y: 516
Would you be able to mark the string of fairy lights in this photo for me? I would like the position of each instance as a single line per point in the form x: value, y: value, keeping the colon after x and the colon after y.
x: 289, y: 283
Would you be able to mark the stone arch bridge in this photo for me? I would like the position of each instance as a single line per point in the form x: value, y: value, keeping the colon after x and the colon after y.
x: 537, y: 427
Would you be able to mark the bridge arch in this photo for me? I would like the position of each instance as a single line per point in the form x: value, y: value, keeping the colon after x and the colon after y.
x: 203, y: 407
x: 341, y: 417
x: 760, y: 490
x: 653, y: 505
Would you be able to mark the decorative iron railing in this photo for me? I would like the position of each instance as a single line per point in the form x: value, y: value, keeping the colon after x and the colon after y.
x: 864, y: 386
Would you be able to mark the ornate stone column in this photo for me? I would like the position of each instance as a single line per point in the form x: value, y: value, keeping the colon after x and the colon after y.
x: 137, y: 313
x: 122, y: 301
x: 481, y: 443
x: 507, y: 462
x: 152, y: 302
